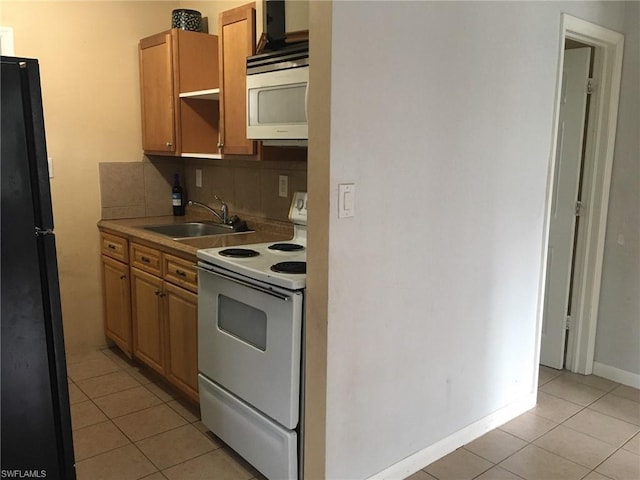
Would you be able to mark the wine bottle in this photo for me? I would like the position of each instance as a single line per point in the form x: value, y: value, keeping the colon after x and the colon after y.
x: 177, y: 197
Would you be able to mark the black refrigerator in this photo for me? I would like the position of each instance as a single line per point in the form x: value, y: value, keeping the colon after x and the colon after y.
x: 35, y: 418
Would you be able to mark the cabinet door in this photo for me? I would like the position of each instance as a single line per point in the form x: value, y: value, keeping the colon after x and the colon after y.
x: 182, y: 339
x: 236, y: 40
x: 117, y: 303
x: 146, y: 307
x: 157, y: 94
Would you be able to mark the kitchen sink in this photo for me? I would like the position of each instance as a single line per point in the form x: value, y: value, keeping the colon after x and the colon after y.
x: 195, y: 229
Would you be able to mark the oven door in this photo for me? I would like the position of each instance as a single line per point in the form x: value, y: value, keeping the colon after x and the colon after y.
x: 249, y: 338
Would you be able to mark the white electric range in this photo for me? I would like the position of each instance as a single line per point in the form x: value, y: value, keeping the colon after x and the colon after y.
x: 250, y: 320
x: 278, y: 263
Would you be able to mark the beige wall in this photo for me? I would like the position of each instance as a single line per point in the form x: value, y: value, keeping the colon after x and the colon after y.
x: 296, y: 13
x: 89, y: 70
x: 433, y: 339
x: 211, y: 10
x: 317, y: 298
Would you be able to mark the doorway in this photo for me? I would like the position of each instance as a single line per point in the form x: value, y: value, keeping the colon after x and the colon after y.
x: 576, y: 274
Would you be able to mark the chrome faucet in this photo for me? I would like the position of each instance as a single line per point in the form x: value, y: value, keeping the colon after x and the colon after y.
x: 223, y: 216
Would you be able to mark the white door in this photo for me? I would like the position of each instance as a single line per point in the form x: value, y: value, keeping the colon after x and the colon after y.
x: 563, y: 209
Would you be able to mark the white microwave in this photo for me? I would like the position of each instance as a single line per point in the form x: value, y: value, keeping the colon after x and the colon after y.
x: 277, y: 97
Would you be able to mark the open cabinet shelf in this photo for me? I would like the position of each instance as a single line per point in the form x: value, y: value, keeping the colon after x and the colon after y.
x: 211, y: 94
x: 199, y: 127
x: 183, y: 66
x: 212, y: 156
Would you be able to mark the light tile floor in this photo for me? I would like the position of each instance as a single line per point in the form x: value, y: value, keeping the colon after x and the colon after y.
x: 583, y: 427
x: 127, y: 425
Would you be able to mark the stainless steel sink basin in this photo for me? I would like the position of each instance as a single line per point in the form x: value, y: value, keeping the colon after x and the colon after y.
x: 193, y: 229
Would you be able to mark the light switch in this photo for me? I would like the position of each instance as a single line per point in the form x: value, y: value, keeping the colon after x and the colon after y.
x: 198, y: 177
x: 346, y: 200
x: 50, y: 165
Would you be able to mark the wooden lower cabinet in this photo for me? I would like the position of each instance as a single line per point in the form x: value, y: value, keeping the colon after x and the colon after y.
x: 182, y: 339
x: 117, y: 303
x: 151, y: 308
x: 148, y: 330
x: 165, y: 321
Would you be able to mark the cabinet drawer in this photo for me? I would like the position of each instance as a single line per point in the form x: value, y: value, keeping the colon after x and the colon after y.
x: 181, y: 272
x: 114, y: 247
x: 145, y: 258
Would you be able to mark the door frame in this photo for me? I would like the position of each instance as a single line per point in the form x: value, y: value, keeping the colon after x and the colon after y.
x: 607, y: 71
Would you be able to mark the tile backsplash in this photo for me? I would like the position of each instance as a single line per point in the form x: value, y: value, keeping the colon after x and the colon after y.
x: 137, y: 189
x: 249, y: 187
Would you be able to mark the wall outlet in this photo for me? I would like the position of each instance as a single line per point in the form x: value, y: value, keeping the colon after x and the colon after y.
x: 283, y: 186
x: 198, y: 177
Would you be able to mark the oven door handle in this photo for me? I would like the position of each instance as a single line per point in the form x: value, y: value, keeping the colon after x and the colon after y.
x: 247, y: 284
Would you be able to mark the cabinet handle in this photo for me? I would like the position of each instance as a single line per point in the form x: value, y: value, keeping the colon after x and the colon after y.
x: 181, y: 273
x: 220, y: 145
x: 145, y: 259
x: 169, y: 144
x: 160, y: 293
x: 111, y: 246
x: 122, y: 277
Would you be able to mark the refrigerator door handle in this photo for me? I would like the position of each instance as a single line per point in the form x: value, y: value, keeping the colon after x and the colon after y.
x: 43, y: 231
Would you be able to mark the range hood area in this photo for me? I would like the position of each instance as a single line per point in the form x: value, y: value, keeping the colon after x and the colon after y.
x: 283, y: 22
x: 274, y: 24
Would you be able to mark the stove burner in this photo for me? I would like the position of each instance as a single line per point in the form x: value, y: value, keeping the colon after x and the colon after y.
x: 238, y: 253
x: 290, y: 267
x: 285, y: 247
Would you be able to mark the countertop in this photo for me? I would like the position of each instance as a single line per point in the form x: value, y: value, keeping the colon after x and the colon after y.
x: 132, y: 228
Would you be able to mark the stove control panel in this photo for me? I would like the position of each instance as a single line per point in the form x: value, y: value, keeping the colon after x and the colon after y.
x: 298, y: 210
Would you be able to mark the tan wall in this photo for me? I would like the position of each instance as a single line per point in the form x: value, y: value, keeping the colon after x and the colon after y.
x: 296, y: 13
x: 317, y: 299
x: 211, y: 10
x: 89, y: 70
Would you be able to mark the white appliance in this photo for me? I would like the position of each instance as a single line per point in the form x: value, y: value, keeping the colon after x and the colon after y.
x: 277, y: 94
x: 250, y: 321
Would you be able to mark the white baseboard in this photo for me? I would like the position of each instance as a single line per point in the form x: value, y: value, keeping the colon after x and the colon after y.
x: 617, y: 375
x: 426, y: 456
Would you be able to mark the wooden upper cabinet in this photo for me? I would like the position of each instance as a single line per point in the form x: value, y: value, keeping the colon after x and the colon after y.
x: 237, y: 41
x: 157, y: 94
x: 178, y: 92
